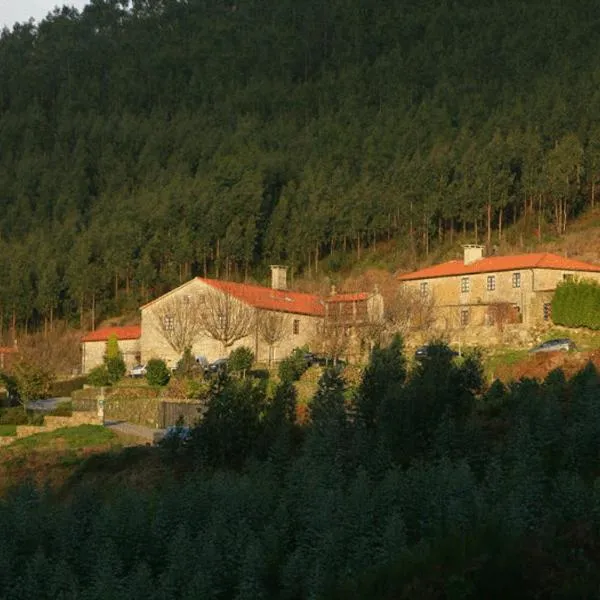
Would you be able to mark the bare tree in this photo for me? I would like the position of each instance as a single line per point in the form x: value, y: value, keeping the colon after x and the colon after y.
x: 224, y: 318
x: 273, y: 327
x: 408, y: 310
x: 334, y: 334
x: 179, y: 320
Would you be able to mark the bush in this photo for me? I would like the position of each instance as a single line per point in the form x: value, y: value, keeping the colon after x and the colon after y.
x: 113, y: 359
x: 157, y: 372
x: 17, y: 416
x: 67, y: 387
x: 99, y: 376
x: 240, y: 360
x: 115, y: 368
x: 186, y: 364
x: 577, y: 304
x: 33, y: 381
x: 292, y: 368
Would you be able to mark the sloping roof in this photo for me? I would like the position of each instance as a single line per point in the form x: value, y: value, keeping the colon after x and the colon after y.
x: 270, y: 299
x: 353, y: 297
x: 540, y: 260
x: 129, y: 332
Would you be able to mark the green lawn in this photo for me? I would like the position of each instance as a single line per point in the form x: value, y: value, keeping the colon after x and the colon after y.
x: 8, y: 430
x: 74, y: 438
x: 502, y: 357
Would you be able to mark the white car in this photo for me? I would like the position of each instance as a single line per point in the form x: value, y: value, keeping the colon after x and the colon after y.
x: 137, y: 371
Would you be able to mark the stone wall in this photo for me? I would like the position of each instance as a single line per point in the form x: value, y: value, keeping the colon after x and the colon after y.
x: 140, y: 411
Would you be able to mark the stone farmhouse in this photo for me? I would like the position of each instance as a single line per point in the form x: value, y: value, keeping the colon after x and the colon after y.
x: 93, y: 346
x: 213, y: 317
x: 490, y: 292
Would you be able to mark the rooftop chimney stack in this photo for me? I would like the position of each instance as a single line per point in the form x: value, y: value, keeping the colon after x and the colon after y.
x: 472, y: 253
x: 278, y: 277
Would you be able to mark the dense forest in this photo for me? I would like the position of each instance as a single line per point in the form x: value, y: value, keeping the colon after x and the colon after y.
x: 419, y: 484
x: 145, y: 142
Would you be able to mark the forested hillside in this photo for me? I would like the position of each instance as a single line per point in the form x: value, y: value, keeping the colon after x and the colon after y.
x: 415, y: 485
x: 143, y: 143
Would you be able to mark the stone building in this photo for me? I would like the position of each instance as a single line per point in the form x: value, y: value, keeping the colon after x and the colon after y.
x: 247, y: 310
x: 93, y: 346
x: 272, y: 321
x: 494, y: 291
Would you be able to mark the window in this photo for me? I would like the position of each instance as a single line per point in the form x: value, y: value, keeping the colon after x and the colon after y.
x: 424, y: 287
x: 464, y: 317
x: 169, y: 323
x: 296, y: 326
x: 568, y: 277
x: 516, y: 280
x: 491, y: 283
x: 547, y: 311
x: 465, y: 285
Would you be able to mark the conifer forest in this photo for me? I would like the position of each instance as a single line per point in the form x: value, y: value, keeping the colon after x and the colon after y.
x: 143, y: 142
x: 420, y: 484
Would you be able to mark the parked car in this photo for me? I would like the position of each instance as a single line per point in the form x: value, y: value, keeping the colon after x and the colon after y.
x: 202, y: 361
x: 218, y: 366
x: 137, y: 371
x: 556, y: 345
x: 423, y: 352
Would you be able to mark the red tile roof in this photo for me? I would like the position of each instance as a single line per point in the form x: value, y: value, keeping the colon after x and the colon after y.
x: 129, y: 332
x: 269, y: 298
x: 541, y: 260
x: 355, y: 297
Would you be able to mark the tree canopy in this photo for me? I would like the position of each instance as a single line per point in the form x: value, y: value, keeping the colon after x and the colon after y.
x: 148, y: 141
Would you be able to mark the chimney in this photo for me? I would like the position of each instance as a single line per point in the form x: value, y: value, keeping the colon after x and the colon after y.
x: 278, y: 277
x: 472, y: 253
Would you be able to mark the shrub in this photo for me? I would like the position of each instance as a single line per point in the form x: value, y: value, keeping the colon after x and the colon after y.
x: 115, y: 368
x: 99, y: 376
x: 186, y: 364
x: 33, y: 381
x: 240, y: 360
x: 157, y: 372
x: 113, y: 359
x: 292, y: 368
x: 577, y: 304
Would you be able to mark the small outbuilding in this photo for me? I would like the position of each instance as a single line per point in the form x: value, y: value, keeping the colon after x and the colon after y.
x: 93, y: 346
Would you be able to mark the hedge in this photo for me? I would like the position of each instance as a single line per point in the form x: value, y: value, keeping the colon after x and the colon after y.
x: 577, y: 304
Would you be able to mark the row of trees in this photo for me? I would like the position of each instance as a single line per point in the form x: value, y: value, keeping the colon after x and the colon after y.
x: 416, y: 483
x: 147, y: 141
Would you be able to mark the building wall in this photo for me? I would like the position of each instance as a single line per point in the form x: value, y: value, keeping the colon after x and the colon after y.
x: 154, y: 344
x: 535, y: 290
x: 92, y: 353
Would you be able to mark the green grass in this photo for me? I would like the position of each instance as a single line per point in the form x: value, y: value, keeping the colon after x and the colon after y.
x: 8, y: 430
x: 74, y: 438
x: 500, y: 358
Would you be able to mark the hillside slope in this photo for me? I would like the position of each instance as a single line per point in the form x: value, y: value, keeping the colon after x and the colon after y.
x: 144, y: 144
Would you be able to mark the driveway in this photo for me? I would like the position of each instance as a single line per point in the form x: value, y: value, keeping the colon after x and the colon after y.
x: 151, y: 436
x: 47, y: 404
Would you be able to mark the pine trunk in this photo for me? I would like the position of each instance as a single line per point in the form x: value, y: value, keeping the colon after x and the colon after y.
x: 500, y: 225
x: 489, y: 223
